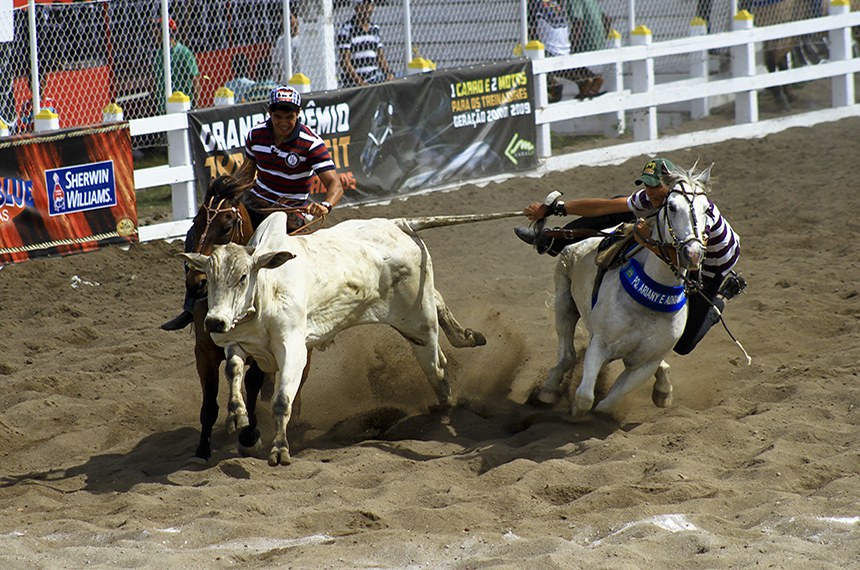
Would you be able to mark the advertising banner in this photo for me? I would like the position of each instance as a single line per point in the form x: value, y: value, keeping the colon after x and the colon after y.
x: 65, y: 192
x: 398, y: 137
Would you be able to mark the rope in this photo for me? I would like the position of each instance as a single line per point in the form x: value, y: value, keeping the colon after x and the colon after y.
x: 725, y: 326
x: 37, y: 139
x: 57, y: 243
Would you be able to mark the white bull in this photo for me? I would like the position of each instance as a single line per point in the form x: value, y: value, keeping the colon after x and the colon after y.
x: 282, y: 295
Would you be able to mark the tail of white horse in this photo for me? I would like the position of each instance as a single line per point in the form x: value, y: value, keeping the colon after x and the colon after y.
x: 428, y: 222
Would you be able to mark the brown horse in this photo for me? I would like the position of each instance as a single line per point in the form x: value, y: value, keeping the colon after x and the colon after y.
x: 221, y: 219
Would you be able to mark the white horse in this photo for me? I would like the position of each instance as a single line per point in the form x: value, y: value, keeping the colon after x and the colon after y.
x: 640, y: 308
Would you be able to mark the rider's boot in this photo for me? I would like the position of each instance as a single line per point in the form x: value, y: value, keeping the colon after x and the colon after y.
x: 183, y: 319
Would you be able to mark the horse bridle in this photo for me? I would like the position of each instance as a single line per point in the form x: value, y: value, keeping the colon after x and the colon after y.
x: 661, y: 245
x: 212, y: 213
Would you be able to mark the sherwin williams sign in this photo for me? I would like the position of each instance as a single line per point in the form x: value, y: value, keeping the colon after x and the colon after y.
x: 80, y: 188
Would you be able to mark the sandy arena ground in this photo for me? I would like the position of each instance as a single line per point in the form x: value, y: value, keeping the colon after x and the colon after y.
x: 752, y: 467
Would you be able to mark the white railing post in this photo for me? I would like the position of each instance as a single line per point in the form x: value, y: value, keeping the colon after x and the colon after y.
x: 699, y: 108
x: 534, y: 51
x: 614, y: 81
x: 644, y: 120
x: 179, y: 154
x: 743, y: 65
x: 841, y: 49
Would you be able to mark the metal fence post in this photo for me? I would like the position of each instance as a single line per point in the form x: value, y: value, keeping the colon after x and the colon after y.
x: 699, y: 108
x: 644, y: 120
x: 743, y: 65
x: 179, y: 154
x: 841, y: 44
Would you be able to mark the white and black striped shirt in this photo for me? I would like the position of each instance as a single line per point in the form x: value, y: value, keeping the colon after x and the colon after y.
x: 364, y: 46
x: 724, y: 245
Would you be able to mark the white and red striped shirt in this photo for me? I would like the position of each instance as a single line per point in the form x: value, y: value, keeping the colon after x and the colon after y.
x: 724, y: 245
x: 285, y: 171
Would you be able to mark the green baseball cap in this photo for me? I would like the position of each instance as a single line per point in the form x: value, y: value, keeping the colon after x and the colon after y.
x: 653, y: 171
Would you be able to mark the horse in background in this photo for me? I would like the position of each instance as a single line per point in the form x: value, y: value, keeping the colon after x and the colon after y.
x: 637, y: 310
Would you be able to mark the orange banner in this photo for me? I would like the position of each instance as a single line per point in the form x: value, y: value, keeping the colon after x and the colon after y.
x: 66, y: 192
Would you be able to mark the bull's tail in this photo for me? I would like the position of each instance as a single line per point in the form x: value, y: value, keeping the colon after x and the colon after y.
x: 427, y: 222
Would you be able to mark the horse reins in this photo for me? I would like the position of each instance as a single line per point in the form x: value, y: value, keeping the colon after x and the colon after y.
x: 212, y: 213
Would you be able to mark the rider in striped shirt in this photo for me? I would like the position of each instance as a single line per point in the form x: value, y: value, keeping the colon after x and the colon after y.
x: 281, y: 157
x: 723, y: 250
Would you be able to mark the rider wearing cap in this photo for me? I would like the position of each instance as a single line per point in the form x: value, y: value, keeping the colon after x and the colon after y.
x: 723, y: 244
x: 281, y: 157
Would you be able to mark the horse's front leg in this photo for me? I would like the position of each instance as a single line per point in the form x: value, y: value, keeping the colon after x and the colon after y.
x: 566, y: 317
x: 661, y: 394
x: 631, y: 378
x: 292, y: 355
x: 237, y: 413
x: 208, y: 357
x: 594, y: 361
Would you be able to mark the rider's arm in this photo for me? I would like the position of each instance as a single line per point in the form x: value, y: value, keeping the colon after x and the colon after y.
x: 333, y: 192
x: 587, y: 207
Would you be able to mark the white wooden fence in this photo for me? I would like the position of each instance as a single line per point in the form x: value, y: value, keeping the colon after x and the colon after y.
x: 641, y: 100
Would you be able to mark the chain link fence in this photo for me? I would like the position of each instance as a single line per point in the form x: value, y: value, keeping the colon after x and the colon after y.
x: 94, y: 52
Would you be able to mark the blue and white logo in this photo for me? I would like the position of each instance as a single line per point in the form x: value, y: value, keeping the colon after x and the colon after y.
x: 80, y: 188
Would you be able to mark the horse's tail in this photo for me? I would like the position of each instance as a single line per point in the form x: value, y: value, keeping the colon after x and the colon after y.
x: 427, y: 222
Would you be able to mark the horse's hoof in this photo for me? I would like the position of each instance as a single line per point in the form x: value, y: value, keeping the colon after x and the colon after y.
x: 197, y: 461
x: 661, y: 399
x: 279, y: 456
x: 535, y: 402
x: 548, y: 397
x: 250, y: 450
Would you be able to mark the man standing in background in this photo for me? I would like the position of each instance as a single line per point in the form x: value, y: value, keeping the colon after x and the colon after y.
x: 183, y: 66
x: 360, y: 49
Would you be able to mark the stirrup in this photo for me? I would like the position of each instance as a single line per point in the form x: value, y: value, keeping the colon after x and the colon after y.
x: 732, y: 286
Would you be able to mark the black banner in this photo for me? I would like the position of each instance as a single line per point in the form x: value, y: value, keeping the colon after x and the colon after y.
x: 398, y: 137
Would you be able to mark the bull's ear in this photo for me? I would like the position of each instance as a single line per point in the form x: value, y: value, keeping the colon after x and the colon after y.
x: 195, y: 260
x: 272, y: 259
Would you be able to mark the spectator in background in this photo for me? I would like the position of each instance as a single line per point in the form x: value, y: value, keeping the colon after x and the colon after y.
x: 240, y: 84
x: 278, y: 67
x: 263, y: 81
x: 360, y: 49
x: 183, y: 65
x: 589, y: 27
x: 548, y: 24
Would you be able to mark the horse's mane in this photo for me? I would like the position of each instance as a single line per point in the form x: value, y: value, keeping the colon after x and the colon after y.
x: 700, y: 179
x: 225, y: 187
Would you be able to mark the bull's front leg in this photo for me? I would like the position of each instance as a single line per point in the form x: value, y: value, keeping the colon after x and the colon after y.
x: 234, y: 369
x: 292, y: 356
